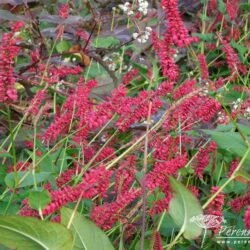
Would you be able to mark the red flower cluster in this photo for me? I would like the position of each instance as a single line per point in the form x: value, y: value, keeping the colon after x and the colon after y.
x: 233, y: 166
x: 20, y: 166
x: 203, y: 67
x: 95, y: 182
x: 8, y: 51
x: 76, y: 107
x: 203, y: 158
x: 247, y: 218
x: 238, y: 203
x: 36, y: 102
x: 128, y: 77
x: 176, y: 29
x: 215, y: 207
x: 165, y: 53
x: 233, y: 60
x: 64, y: 11
x: 232, y: 8
x: 105, y: 216
x: 125, y: 175
x: 159, y: 178
x: 158, y: 241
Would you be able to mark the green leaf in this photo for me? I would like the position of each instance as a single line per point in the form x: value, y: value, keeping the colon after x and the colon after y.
x: 183, y: 206
x: 105, y: 42
x: 39, y: 199
x: 229, y: 141
x: 205, y: 37
x: 245, y: 7
x: 5, y: 154
x: 87, y: 235
x: 26, y: 233
x: 222, y: 7
x: 63, y: 46
x: 240, y: 48
x: 244, y: 174
x: 233, y: 187
x: 28, y: 179
x: 231, y: 127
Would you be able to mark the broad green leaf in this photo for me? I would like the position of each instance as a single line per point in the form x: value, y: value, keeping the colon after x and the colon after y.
x: 63, y: 46
x: 244, y: 174
x: 39, y: 199
x: 28, y: 179
x: 222, y: 7
x: 230, y: 141
x: 26, y: 233
x: 234, y: 186
x: 183, y: 206
x: 231, y: 127
x: 240, y: 48
x: 87, y: 236
x: 105, y: 42
x: 4, y: 154
x: 205, y: 37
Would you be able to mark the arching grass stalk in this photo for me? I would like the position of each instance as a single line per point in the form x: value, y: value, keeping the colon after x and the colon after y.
x: 12, y: 145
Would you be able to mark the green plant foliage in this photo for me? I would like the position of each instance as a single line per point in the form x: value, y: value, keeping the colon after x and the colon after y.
x: 230, y: 141
x: 87, y: 235
x: 27, y: 178
x: 25, y: 233
x: 39, y: 199
x: 63, y: 46
x: 105, y: 42
x: 183, y: 206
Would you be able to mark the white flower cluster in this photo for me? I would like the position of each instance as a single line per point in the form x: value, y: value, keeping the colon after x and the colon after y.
x: 247, y: 113
x: 110, y: 62
x: 143, y: 6
x: 127, y: 8
x: 236, y: 104
x: 144, y: 36
x: 221, y: 117
x: 113, y: 60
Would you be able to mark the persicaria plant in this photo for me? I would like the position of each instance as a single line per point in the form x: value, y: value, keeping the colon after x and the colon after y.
x: 124, y: 124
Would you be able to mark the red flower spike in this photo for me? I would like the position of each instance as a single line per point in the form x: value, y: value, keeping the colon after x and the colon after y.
x: 215, y: 207
x: 247, y: 218
x: 238, y: 203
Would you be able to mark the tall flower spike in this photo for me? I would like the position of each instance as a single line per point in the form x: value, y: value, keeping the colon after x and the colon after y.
x: 8, y: 51
x: 238, y: 203
x: 247, y: 218
x: 64, y: 11
x: 125, y: 174
x: 95, y: 182
x: 233, y: 61
x: 232, y: 8
x: 203, y: 158
x: 36, y: 101
x: 233, y: 166
x: 105, y: 216
x: 203, y: 67
x: 166, y: 53
x: 176, y: 29
x: 157, y: 241
x: 215, y: 207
